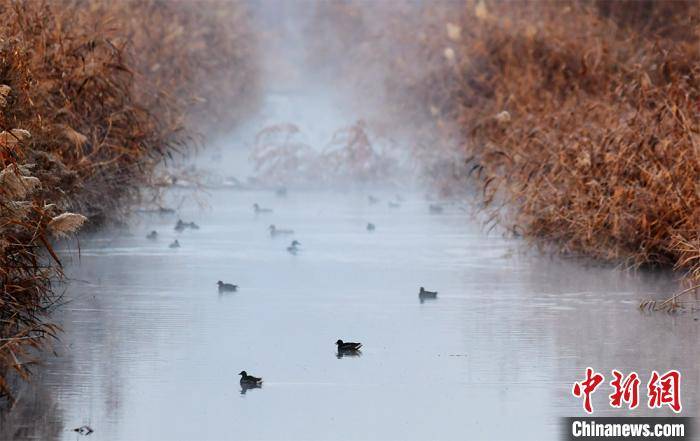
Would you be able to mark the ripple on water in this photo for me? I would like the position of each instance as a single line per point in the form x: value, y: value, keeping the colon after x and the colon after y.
x: 151, y: 349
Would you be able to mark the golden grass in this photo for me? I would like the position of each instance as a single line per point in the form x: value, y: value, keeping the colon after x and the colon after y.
x: 598, y: 155
x: 579, y: 121
x: 94, y: 95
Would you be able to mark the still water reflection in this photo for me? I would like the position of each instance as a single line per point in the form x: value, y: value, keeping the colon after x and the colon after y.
x: 151, y: 350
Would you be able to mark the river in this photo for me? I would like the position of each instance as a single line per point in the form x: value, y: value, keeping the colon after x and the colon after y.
x: 151, y: 350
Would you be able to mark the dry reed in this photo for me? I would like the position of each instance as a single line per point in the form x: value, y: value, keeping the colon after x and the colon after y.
x: 578, y: 121
x: 351, y: 156
x: 94, y: 95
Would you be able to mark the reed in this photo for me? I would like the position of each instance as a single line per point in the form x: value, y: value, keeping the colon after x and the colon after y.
x: 351, y: 156
x: 94, y: 96
x: 578, y: 122
x: 598, y: 152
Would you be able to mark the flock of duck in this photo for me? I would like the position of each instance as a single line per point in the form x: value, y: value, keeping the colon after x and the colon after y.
x: 343, y: 348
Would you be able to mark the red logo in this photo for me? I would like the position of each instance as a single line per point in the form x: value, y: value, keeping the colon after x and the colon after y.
x: 662, y: 389
x: 625, y: 391
x: 665, y: 389
x: 587, y: 387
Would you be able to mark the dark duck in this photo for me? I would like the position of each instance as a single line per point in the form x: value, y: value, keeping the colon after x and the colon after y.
x: 260, y: 210
x: 182, y: 226
x: 424, y: 294
x: 226, y: 287
x: 294, y: 247
x: 249, y: 380
x: 274, y: 231
x: 347, y: 346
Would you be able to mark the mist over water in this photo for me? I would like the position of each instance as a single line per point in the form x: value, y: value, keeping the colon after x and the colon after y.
x: 303, y: 90
x: 151, y: 350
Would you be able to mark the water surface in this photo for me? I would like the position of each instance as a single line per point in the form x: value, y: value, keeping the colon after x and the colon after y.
x: 151, y: 349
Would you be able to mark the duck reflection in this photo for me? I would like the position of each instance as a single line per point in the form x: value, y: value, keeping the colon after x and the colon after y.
x: 348, y: 353
x: 246, y: 386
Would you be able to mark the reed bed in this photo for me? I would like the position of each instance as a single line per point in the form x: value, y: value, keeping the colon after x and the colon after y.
x: 94, y: 96
x: 587, y: 129
x: 579, y: 121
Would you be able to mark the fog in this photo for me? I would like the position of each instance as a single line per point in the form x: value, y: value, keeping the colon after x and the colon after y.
x: 151, y: 349
x: 309, y: 91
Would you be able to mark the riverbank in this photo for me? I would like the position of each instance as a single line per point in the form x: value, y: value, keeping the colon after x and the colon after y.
x: 94, y: 96
x: 576, y: 124
x: 585, y: 120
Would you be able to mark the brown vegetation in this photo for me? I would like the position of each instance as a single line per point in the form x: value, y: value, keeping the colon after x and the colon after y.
x: 579, y: 120
x: 93, y: 97
x: 588, y: 130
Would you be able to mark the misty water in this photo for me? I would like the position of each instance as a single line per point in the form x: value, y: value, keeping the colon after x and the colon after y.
x: 151, y: 350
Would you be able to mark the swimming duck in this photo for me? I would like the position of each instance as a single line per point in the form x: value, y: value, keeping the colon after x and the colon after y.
x: 436, y: 208
x: 84, y: 430
x: 423, y: 293
x: 180, y: 225
x: 370, y: 226
x: 226, y: 287
x: 249, y: 380
x: 258, y: 209
x: 348, y: 346
x: 282, y: 191
x: 393, y: 204
x: 294, y: 247
x: 152, y: 235
x: 175, y: 244
x: 372, y: 200
x: 274, y: 231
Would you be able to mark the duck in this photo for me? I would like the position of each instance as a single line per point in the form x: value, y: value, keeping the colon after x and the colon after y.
x: 372, y: 199
x: 370, y: 226
x: 436, y: 208
x: 226, y: 287
x: 274, y: 231
x: 152, y: 235
x: 84, y: 430
x: 180, y: 225
x: 258, y: 209
x: 175, y: 244
x: 249, y: 380
x: 393, y: 204
x: 423, y: 293
x: 348, y: 346
x: 294, y: 247
x: 281, y: 191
